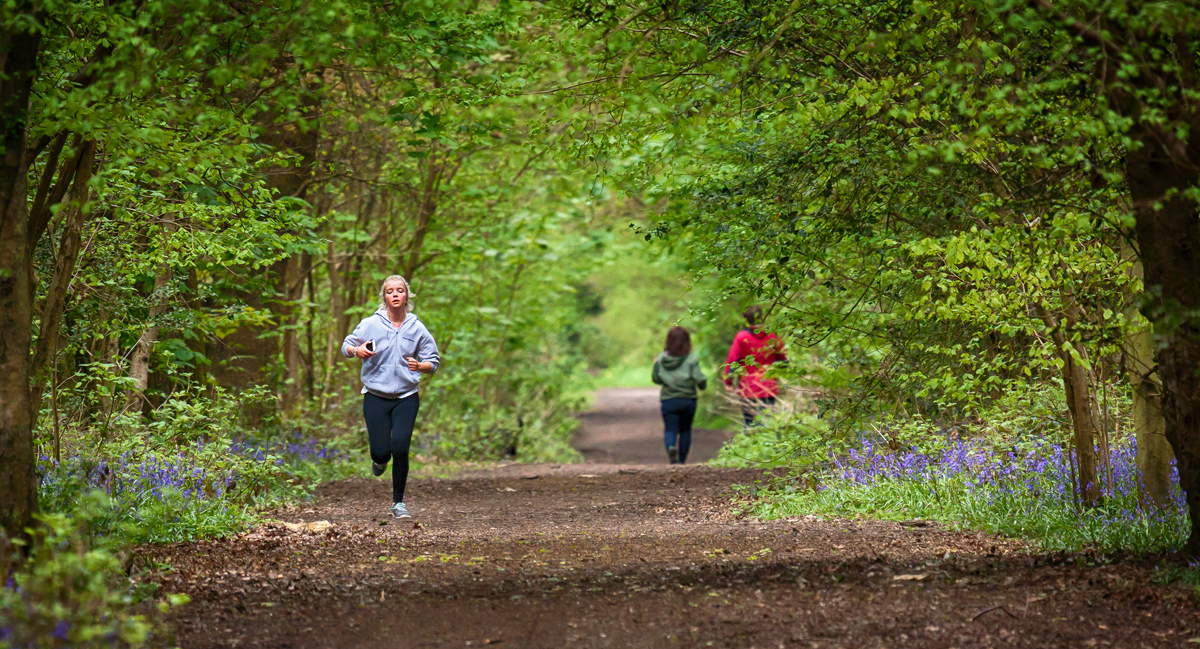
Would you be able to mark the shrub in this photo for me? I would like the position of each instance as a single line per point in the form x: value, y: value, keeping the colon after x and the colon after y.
x: 69, y: 591
x: 192, y: 472
x: 780, y: 439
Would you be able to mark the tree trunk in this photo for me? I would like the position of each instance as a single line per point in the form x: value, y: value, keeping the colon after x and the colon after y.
x: 292, y: 289
x: 343, y: 289
x: 38, y: 224
x: 199, y: 345
x: 429, y: 203
x: 1154, y: 454
x: 45, y: 198
x: 302, y: 138
x: 249, y: 353
x: 336, y: 307
x: 139, y: 365
x: 18, y: 481
x: 46, y: 347
x: 106, y: 354
x: 1168, y: 234
x: 310, y: 312
x: 1077, y: 384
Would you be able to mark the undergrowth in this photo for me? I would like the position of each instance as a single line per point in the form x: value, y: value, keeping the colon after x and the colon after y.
x: 197, y: 468
x: 1007, y: 470
x: 1023, y: 491
x: 71, y: 590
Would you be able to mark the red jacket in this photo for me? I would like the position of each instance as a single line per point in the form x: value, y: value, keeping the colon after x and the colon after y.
x: 765, y: 348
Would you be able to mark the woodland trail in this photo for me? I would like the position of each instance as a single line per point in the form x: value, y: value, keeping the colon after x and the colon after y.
x: 625, y: 427
x: 639, y: 555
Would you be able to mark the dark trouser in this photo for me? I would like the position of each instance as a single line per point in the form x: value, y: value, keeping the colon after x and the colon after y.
x: 754, y: 408
x: 389, y: 433
x: 678, y: 414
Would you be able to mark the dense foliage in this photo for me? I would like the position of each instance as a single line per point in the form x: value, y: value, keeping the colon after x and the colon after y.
x: 225, y: 190
x: 963, y: 218
x: 943, y: 205
x: 200, y: 201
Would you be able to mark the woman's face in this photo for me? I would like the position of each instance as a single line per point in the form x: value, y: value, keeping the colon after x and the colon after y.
x: 394, y: 295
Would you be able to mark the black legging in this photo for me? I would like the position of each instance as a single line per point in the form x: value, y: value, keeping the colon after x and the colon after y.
x: 389, y: 434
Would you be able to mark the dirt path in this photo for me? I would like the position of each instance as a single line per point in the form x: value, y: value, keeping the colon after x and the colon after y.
x: 625, y: 427
x: 605, y: 555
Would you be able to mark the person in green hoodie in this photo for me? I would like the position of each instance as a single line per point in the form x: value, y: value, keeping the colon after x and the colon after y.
x: 678, y: 372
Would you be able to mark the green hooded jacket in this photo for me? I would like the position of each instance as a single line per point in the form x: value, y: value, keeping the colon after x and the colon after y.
x: 678, y: 376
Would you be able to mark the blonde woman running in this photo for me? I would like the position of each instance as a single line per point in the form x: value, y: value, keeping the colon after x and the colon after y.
x: 396, y: 349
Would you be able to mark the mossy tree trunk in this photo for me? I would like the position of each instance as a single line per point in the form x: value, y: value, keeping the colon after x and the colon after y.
x: 20, y: 41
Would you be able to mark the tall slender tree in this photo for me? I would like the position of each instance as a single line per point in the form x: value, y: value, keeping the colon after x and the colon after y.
x: 20, y: 44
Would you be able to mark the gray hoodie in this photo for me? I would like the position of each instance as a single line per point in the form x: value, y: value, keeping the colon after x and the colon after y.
x: 386, y: 374
x: 679, y: 376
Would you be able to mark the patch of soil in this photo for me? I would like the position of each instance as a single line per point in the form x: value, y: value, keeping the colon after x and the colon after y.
x: 606, y: 555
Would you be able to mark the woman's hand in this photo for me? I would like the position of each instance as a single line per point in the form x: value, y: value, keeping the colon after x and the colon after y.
x: 362, y: 352
x: 423, y: 367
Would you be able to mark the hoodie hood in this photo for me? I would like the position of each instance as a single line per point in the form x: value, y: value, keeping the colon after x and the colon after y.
x: 760, y: 334
x: 679, y: 376
x: 382, y: 313
x: 672, y: 362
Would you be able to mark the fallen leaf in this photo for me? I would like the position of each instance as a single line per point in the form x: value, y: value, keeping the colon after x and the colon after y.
x: 316, y: 526
x: 916, y: 577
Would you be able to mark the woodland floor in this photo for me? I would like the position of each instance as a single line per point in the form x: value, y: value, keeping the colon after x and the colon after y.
x: 626, y: 551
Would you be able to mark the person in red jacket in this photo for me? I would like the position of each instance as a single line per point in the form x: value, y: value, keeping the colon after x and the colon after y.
x: 752, y: 352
